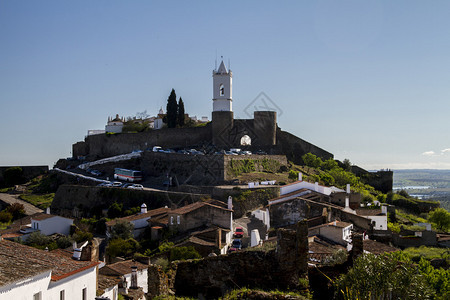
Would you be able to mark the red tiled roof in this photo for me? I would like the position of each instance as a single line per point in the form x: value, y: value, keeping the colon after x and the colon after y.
x: 368, y: 212
x: 194, y: 206
x: 377, y: 247
x: 148, y: 214
x: 339, y: 224
x: 18, y: 261
x: 121, y: 268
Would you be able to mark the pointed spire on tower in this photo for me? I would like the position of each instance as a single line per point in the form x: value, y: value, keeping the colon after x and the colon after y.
x: 222, y: 69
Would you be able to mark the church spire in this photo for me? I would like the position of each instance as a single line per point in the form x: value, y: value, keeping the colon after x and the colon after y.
x: 222, y: 69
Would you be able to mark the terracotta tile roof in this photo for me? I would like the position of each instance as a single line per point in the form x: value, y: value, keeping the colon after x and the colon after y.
x: 121, y: 268
x: 42, y: 216
x: 194, y: 206
x: 148, y: 214
x: 319, y: 245
x: 339, y: 224
x: 105, y: 282
x: 368, y: 212
x: 198, y: 241
x: 377, y: 247
x: 18, y: 262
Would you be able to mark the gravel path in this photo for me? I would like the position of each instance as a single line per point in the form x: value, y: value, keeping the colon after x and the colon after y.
x: 10, y: 199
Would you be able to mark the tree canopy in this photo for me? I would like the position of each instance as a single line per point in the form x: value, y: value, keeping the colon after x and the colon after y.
x: 172, y: 110
x: 180, y: 116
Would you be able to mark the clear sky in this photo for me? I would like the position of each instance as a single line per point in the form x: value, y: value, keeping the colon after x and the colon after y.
x: 364, y: 80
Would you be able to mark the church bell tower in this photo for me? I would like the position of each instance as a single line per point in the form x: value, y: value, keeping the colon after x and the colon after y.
x: 222, y: 100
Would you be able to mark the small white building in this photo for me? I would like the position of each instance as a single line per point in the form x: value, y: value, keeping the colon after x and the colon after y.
x: 378, y: 216
x: 30, y: 273
x: 46, y: 224
x: 337, y: 231
x: 134, y: 273
x: 114, y: 125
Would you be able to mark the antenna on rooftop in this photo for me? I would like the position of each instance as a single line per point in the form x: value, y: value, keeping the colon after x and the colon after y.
x: 215, y: 67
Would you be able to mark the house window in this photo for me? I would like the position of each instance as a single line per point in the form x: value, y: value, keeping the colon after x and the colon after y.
x: 221, y: 90
x: 37, y: 296
x: 84, y: 294
x: 178, y: 220
x: 62, y: 295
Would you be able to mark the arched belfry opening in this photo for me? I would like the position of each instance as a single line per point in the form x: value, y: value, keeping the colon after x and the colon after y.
x: 246, y: 140
x: 221, y: 90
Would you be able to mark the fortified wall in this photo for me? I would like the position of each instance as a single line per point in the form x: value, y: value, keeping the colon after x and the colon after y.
x: 223, y: 133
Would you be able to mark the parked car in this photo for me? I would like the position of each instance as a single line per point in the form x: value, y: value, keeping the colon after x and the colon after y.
x: 117, y: 184
x: 231, y: 249
x: 96, y: 173
x: 237, y: 243
x: 245, y: 153
x: 239, y: 232
x: 156, y: 148
x: 135, y: 186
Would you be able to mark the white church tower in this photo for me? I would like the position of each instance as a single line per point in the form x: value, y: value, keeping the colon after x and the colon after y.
x: 222, y: 100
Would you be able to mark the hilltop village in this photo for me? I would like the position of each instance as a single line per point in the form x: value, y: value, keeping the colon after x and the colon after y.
x: 142, y: 210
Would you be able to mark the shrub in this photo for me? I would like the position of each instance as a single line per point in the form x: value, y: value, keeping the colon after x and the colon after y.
x: 183, y: 253
x: 293, y: 174
x: 5, y: 217
x: 120, y: 247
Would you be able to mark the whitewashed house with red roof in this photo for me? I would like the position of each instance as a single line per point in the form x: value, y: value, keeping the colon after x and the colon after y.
x: 29, y: 273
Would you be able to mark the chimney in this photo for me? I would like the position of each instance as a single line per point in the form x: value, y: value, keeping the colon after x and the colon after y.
x: 230, y: 203
x: 348, y: 188
x: 143, y: 208
x: 47, y: 210
x: 384, y: 209
x: 133, y: 284
x: 347, y: 202
x: 300, y: 176
x: 334, y: 223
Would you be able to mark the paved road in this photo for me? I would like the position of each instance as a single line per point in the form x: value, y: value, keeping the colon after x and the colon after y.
x: 10, y: 199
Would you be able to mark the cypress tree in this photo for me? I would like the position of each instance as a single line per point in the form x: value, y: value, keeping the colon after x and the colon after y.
x: 180, y: 117
x: 172, y: 109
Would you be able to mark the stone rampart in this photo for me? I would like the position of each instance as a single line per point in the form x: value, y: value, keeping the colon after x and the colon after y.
x: 294, y: 147
x: 106, y: 145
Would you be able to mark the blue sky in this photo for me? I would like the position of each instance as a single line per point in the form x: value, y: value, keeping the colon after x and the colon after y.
x: 364, y: 80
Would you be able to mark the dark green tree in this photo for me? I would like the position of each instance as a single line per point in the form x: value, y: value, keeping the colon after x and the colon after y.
x: 172, y: 110
x: 13, y: 175
x: 122, y: 230
x: 180, y: 117
x: 440, y: 217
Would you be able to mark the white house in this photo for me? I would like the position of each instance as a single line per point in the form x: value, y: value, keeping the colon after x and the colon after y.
x: 139, y: 220
x: 47, y: 224
x: 337, y: 231
x: 378, y: 216
x: 114, y: 125
x: 30, y: 273
x: 134, y: 273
